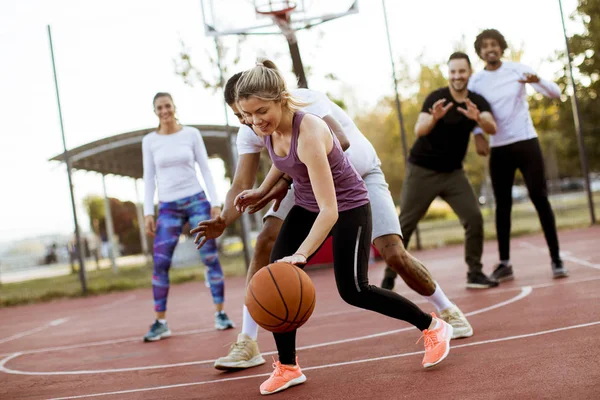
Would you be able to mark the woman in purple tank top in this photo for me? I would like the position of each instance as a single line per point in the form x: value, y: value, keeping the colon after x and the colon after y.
x: 331, y: 200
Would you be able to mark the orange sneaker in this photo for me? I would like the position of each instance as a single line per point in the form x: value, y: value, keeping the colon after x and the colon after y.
x: 282, y: 378
x: 437, y: 342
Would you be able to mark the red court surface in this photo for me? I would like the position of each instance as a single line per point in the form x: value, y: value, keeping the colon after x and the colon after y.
x: 534, y: 338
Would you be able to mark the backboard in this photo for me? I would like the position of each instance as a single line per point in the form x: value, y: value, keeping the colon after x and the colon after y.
x: 239, y: 17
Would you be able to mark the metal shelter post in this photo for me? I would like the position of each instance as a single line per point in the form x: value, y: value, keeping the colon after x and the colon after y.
x: 139, y: 207
x: 110, y: 231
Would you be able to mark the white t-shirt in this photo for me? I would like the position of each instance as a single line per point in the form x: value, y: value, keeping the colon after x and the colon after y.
x: 169, y: 161
x: 361, y: 152
x: 508, y: 99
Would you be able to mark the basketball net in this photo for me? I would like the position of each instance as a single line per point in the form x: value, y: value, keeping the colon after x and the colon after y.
x: 279, y: 12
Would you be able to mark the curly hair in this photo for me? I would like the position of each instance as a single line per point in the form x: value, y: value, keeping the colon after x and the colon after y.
x: 490, y: 34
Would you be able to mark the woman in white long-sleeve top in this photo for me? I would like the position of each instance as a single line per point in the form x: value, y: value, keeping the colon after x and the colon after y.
x: 170, y: 154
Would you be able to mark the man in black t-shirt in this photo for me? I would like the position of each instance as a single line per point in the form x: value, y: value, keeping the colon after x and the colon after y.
x: 434, y: 168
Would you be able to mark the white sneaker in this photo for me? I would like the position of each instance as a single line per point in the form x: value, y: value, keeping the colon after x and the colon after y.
x: 455, y: 317
x: 243, y: 354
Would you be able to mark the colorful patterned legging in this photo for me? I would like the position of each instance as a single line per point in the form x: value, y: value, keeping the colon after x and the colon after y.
x: 171, y: 218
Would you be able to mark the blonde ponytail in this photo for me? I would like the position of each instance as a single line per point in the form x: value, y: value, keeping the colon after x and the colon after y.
x: 265, y: 81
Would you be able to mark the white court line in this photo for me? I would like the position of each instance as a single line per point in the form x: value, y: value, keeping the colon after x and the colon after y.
x: 525, y: 291
x: 565, y: 255
x: 364, y: 360
x: 104, y: 342
x: 56, y: 322
x: 61, y: 321
x: 353, y: 310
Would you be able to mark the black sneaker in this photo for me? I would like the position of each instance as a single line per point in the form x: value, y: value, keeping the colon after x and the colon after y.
x: 388, y: 283
x: 478, y: 280
x: 503, y: 273
x: 559, y: 270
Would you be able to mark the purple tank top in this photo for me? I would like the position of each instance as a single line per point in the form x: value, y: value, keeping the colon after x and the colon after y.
x: 350, y: 189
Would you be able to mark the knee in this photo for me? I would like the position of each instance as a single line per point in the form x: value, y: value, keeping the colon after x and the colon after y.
x: 350, y: 295
x: 474, y: 222
x: 539, y: 199
x: 265, y: 240
x: 160, y: 279
x: 354, y: 293
x: 397, y: 260
x: 210, y: 258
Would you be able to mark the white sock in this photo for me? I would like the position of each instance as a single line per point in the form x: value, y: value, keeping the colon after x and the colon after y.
x: 162, y: 321
x: 434, y: 324
x: 505, y: 262
x: 439, y: 299
x: 249, y: 327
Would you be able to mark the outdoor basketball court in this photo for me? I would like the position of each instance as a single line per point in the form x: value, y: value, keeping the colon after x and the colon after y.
x: 534, y: 338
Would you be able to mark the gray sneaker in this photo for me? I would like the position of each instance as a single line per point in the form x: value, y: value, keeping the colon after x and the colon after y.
x: 503, y: 273
x: 478, y: 280
x: 223, y: 322
x: 559, y: 270
x: 157, y: 331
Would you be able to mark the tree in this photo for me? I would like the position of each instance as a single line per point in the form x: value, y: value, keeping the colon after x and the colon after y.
x: 554, y: 121
x: 125, y: 222
x: 381, y: 127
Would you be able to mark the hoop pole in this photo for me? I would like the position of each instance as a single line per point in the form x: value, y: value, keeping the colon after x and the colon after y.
x: 577, y: 123
x: 67, y: 159
x: 398, y: 106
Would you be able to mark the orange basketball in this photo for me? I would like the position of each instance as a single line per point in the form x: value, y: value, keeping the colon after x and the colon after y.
x: 280, y: 297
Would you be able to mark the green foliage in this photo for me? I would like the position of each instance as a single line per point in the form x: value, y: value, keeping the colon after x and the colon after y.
x: 382, y: 128
x: 125, y: 222
x: 554, y: 120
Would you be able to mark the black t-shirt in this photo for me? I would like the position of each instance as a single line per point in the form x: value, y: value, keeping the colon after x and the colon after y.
x: 445, y: 147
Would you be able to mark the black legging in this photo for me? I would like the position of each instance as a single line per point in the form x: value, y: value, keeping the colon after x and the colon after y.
x: 526, y: 156
x: 351, y: 247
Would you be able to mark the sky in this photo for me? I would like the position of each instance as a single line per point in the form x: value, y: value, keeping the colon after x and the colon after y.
x: 113, y: 56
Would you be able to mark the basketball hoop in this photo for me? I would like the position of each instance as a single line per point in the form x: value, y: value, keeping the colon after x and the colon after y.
x: 280, y: 9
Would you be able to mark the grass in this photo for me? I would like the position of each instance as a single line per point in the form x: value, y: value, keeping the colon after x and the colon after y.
x: 105, y: 281
x: 446, y: 230
x: 570, y: 214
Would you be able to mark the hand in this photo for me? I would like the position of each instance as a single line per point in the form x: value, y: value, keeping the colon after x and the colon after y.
x: 529, y: 78
x: 472, y: 112
x: 247, y: 198
x: 439, y: 110
x: 481, y: 145
x: 149, y: 225
x: 215, y: 212
x: 296, y: 259
x: 277, y: 193
x: 211, y: 229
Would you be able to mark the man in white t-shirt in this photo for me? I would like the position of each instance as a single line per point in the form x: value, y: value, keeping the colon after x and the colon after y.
x: 514, y: 146
x: 386, y: 227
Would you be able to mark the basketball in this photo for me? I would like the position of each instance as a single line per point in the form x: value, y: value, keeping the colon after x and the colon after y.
x: 280, y: 297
